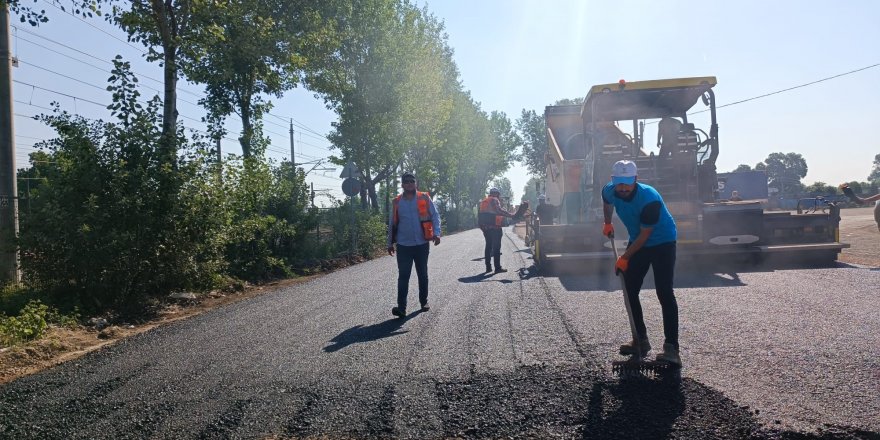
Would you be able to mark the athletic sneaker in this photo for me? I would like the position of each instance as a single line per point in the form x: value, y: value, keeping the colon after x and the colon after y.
x: 629, y: 348
x: 670, y: 354
x: 425, y: 307
x: 397, y: 312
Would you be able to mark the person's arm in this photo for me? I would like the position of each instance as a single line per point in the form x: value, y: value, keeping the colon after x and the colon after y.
x: 500, y: 210
x: 608, y: 211
x: 390, y: 226
x: 852, y: 195
x: 435, y: 218
x: 640, y: 241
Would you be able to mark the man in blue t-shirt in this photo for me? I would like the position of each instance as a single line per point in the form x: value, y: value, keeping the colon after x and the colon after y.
x: 652, y: 236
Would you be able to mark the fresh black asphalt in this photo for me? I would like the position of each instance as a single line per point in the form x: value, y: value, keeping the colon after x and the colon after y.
x: 769, y: 354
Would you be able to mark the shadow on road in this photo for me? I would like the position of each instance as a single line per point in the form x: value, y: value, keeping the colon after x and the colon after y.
x: 613, y: 406
x: 360, y: 333
x: 483, y: 278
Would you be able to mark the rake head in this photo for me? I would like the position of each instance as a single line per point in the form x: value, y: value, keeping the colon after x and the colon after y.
x: 639, y: 368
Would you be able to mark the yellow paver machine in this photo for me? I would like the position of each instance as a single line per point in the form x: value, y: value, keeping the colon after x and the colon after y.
x: 585, y: 140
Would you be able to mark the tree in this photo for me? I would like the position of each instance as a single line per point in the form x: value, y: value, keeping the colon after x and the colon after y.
x: 166, y: 29
x: 34, y: 17
x: 874, y: 177
x: 820, y: 189
x: 532, y: 129
x: 741, y: 168
x: 392, y: 91
x: 785, y: 172
x: 531, y: 191
x: 570, y: 101
x: 503, y: 184
x: 507, y: 141
x: 260, y: 48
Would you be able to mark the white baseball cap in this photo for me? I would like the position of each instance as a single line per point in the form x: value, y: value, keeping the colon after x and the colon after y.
x: 624, y: 171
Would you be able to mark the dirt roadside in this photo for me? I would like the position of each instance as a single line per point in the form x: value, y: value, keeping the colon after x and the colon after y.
x: 63, y: 344
x: 60, y: 345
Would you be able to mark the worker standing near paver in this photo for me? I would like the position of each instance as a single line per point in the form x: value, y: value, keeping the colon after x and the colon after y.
x: 862, y: 200
x: 413, y: 224
x: 491, y: 219
x: 652, y: 236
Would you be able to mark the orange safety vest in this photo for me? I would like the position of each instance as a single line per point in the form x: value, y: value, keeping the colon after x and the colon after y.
x: 487, y: 211
x: 422, y: 200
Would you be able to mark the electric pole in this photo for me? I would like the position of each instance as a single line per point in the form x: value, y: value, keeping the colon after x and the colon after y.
x: 8, y: 184
x: 292, y: 155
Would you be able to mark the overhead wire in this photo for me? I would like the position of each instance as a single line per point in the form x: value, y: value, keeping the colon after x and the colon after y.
x: 304, y: 130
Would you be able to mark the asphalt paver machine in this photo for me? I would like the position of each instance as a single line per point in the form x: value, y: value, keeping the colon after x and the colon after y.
x: 585, y: 140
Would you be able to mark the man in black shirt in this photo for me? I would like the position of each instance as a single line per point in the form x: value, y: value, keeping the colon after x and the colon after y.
x: 546, y: 212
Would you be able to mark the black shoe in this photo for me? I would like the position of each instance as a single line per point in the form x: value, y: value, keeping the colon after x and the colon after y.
x: 500, y: 270
x: 425, y: 307
x: 488, y: 268
x: 397, y: 312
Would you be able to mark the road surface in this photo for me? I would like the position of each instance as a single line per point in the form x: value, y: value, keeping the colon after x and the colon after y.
x: 768, y: 354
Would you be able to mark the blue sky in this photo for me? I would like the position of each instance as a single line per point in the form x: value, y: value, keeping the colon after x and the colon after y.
x: 516, y: 55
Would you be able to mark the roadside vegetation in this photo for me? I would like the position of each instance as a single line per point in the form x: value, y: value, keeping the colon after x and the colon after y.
x: 120, y: 214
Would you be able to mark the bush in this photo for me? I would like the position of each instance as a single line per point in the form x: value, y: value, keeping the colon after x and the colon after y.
x: 254, y: 246
x: 118, y: 214
x: 32, y: 322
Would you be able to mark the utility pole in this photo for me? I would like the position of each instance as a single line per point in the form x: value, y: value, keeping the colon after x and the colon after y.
x: 292, y: 151
x: 8, y: 183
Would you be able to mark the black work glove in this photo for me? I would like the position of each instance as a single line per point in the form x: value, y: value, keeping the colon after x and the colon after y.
x: 847, y: 191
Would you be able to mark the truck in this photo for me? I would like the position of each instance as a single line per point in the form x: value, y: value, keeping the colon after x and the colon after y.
x: 585, y: 140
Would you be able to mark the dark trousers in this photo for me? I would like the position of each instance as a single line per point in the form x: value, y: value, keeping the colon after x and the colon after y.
x: 493, y: 246
x: 662, y: 259
x: 406, y: 256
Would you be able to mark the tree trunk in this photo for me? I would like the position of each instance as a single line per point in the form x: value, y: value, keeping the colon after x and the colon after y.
x: 247, y: 127
x: 169, y: 116
x: 374, y: 199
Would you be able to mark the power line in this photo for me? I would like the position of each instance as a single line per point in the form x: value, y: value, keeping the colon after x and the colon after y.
x: 127, y: 43
x: 235, y: 141
x: 792, y: 88
x: 58, y: 93
x: 140, y: 75
x: 304, y: 130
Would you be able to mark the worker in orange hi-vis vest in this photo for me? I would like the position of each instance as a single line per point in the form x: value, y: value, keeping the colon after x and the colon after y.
x: 491, y: 219
x: 413, y: 224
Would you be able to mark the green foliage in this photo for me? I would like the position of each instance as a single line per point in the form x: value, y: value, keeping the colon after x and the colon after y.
x: 112, y: 221
x: 531, y: 127
x: 120, y: 211
x: 256, y: 49
x: 256, y: 248
x: 874, y: 177
x: 28, y: 325
x: 504, y: 185
x: 784, y: 172
x: 820, y: 189
x: 532, y: 190
x: 371, y: 233
x: 269, y: 229
x: 32, y: 322
x: 370, y: 230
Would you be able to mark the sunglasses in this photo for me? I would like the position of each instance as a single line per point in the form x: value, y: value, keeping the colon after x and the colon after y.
x: 409, y: 181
